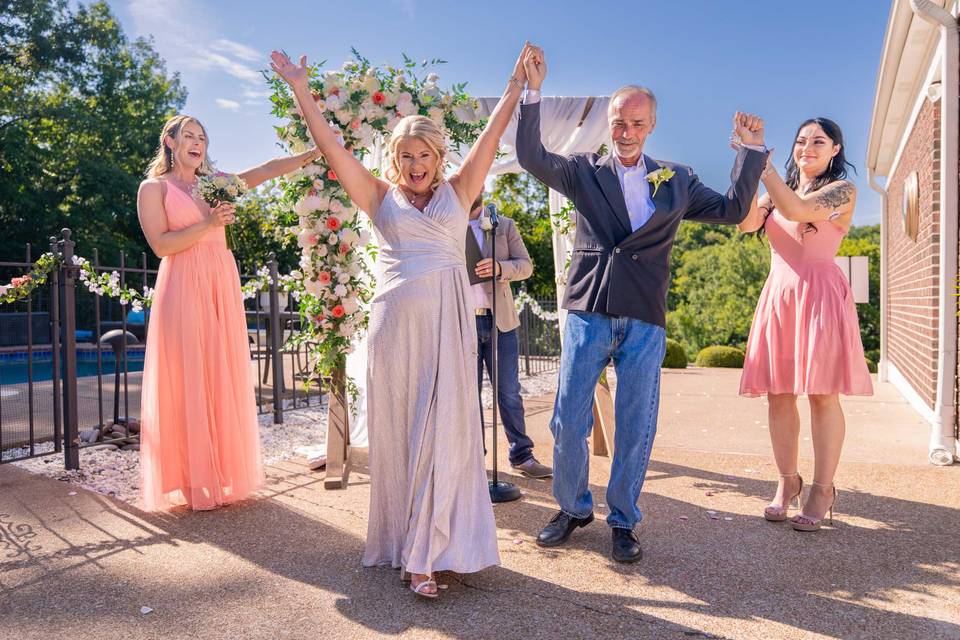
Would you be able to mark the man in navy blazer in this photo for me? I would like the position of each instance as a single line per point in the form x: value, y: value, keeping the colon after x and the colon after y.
x: 628, y: 209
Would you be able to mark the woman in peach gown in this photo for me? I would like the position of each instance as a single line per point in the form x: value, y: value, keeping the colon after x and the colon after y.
x: 199, y: 440
x: 805, y: 336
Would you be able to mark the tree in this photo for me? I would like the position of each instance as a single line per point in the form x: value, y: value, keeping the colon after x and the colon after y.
x: 717, y: 286
x: 523, y: 198
x: 81, y: 108
x: 262, y: 228
x: 865, y: 241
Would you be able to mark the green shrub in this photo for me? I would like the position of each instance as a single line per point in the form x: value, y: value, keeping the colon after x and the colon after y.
x: 675, y: 357
x: 729, y: 357
x: 871, y: 365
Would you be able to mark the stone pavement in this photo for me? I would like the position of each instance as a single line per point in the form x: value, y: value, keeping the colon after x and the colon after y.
x: 286, y: 565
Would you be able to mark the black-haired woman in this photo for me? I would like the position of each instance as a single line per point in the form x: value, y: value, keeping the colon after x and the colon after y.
x: 805, y: 336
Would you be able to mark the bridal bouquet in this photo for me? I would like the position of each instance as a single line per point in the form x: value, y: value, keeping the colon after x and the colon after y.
x: 218, y: 188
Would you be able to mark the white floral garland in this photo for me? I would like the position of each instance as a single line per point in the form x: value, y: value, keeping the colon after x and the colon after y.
x: 523, y: 299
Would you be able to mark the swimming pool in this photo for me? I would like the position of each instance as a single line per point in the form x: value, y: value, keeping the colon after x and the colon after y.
x: 13, y: 364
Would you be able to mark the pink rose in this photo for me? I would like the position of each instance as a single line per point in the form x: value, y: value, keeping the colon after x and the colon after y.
x: 338, y: 311
x: 323, y: 277
x: 344, y: 248
x: 333, y: 223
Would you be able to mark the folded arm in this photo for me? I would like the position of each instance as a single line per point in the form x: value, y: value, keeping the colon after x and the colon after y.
x: 156, y: 228
x: 834, y: 202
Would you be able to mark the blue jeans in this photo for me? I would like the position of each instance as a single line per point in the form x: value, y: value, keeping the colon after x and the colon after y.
x: 590, y: 341
x: 508, y: 385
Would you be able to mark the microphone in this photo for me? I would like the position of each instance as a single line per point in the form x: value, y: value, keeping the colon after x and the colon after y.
x: 492, y: 213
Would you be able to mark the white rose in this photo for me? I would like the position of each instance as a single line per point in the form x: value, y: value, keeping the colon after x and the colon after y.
x: 313, y: 170
x: 371, y: 84
x: 433, y: 78
x: 343, y: 278
x: 390, y: 98
x: 344, y: 116
x: 350, y: 305
x: 333, y: 102
x: 435, y: 114
x: 322, y: 250
x: 405, y: 106
x: 333, y: 239
x: 313, y: 287
x: 307, y: 205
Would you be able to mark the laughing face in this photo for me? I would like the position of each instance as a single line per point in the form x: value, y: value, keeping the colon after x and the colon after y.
x: 189, y: 146
x: 417, y: 163
x: 632, y: 117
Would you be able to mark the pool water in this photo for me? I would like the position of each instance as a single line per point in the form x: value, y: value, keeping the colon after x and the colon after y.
x: 13, y: 366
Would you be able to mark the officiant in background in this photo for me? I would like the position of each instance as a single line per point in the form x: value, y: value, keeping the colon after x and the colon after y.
x: 513, y: 264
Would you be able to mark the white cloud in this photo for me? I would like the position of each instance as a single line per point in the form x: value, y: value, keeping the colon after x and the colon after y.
x: 251, y: 93
x: 237, y: 50
x: 229, y: 105
x: 180, y: 41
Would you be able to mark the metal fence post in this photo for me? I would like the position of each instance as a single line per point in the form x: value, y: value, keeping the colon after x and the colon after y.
x: 71, y: 437
x: 276, y: 340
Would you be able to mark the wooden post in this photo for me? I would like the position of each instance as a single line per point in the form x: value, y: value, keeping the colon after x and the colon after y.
x: 338, y: 430
x: 603, y: 419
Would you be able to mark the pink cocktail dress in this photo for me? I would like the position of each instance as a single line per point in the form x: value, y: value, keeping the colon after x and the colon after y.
x: 805, y: 336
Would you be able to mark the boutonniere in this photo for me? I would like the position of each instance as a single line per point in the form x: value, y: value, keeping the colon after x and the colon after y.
x: 485, y: 224
x: 658, y: 177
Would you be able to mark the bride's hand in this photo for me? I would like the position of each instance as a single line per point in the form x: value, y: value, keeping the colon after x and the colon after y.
x: 519, y: 72
x: 294, y: 75
x: 535, y: 66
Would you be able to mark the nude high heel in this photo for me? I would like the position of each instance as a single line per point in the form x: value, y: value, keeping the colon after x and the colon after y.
x: 775, y: 513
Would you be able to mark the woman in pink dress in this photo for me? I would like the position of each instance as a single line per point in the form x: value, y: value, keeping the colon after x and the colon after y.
x: 805, y: 337
x: 199, y: 440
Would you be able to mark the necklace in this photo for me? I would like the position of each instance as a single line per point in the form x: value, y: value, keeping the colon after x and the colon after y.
x: 415, y: 198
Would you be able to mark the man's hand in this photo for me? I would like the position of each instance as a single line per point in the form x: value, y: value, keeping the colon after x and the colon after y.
x: 484, y: 268
x: 748, y: 128
x: 536, y: 67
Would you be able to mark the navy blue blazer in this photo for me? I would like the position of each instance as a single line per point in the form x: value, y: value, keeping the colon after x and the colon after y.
x: 614, y: 270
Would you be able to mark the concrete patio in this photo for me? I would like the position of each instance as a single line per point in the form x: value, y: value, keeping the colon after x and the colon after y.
x: 287, y: 565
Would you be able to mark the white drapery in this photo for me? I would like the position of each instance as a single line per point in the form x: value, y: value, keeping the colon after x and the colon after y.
x: 567, y: 126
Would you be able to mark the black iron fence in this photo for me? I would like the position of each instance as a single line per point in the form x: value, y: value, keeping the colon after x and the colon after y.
x: 539, y: 338
x: 71, y: 361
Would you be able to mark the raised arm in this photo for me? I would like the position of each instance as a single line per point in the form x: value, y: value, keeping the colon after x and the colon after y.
x: 834, y: 202
x: 468, y: 180
x: 734, y: 207
x: 553, y: 170
x: 156, y: 229
x: 277, y: 167
x: 365, y: 189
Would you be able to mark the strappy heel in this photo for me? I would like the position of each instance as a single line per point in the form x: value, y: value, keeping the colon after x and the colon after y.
x: 803, y: 522
x: 419, y: 589
x: 775, y: 513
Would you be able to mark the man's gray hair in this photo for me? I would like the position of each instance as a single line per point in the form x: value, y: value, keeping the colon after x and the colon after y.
x: 630, y: 90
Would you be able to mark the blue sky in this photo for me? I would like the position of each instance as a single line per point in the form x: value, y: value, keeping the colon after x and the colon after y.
x: 783, y: 60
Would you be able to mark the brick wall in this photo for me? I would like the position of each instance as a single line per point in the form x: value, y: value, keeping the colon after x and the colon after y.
x: 913, y: 266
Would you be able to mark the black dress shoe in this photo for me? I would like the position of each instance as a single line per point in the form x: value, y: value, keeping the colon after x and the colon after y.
x: 626, y: 547
x: 559, y: 529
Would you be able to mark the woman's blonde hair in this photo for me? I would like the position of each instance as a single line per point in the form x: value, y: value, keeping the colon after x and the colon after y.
x: 428, y: 132
x: 163, y: 160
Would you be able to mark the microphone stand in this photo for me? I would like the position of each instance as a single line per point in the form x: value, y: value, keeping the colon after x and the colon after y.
x: 499, y: 491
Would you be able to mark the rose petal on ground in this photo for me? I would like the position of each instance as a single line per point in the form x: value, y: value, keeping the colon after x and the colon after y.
x: 145, y: 610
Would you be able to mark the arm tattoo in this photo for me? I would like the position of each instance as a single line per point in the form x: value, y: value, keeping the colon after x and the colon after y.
x: 834, y: 198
